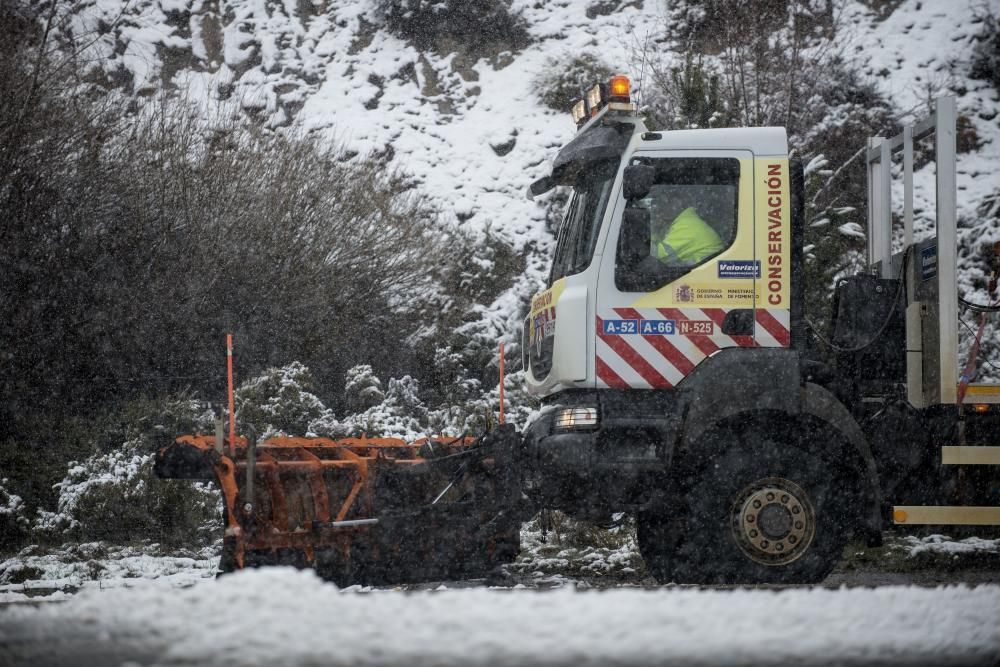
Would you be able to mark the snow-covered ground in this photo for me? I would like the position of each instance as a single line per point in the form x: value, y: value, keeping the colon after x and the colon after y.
x: 611, y: 558
x: 60, y: 573
x: 283, y: 616
x: 569, y: 604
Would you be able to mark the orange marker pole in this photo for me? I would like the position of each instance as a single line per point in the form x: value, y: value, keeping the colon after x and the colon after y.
x: 501, y: 383
x: 232, y: 412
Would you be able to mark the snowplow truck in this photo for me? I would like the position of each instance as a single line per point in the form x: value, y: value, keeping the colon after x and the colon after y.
x: 680, y: 377
x: 679, y: 380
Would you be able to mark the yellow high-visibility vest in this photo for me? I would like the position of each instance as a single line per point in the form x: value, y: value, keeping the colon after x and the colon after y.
x: 688, y: 241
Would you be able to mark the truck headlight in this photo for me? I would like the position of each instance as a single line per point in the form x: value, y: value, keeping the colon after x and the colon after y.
x: 568, y: 418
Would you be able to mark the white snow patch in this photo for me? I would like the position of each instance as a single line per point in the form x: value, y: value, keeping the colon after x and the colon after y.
x: 942, y: 544
x: 93, y: 565
x: 481, y: 626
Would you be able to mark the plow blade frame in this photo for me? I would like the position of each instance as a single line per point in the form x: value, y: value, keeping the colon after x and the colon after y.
x: 362, y: 510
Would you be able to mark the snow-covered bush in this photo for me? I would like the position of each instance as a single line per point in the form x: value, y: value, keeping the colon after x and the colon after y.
x: 472, y: 23
x: 14, y: 521
x: 280, y: 400
x: 451, y: 380
x: 402, y: 414
x: 842, y: 110
x: 362, y: 388
x: 458, y: 355
x: 563, y: 80
x: 115, y: 497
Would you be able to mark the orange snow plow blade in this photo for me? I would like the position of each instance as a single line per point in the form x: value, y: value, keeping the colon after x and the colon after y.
x: 361, y: 510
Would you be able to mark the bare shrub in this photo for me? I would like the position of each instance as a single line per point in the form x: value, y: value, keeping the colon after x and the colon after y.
x: 155, y: 241
x: 134, y: 237
x: 986, y: 55
x: 298, y: 249
x: 471, y: 23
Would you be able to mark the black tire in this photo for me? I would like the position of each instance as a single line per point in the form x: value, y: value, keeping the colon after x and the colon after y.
x: 765, y: 511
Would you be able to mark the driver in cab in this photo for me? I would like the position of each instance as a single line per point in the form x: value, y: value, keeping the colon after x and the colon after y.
x: 679, y: 236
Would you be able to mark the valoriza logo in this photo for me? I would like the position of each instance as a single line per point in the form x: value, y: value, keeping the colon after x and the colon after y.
x: 739, y: 268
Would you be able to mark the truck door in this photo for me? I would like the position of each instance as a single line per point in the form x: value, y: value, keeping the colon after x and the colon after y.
x: 703, y: 286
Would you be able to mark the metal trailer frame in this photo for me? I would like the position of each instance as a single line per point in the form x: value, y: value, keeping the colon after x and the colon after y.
x: 920, y: 329
x: 932, y: 319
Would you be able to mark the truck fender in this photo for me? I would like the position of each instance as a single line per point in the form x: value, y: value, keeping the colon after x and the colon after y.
x: 824, y: 406
x: 734, y: 381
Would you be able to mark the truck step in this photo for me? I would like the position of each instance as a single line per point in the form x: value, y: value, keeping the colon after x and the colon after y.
x: 953, y: 515
x: 983, y: 392
x: 970, y: 456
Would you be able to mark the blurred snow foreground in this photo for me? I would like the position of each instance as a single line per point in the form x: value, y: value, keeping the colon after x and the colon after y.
x: 286, y: 616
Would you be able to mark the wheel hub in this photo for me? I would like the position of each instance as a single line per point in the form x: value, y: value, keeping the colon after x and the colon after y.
x: 773, y: 521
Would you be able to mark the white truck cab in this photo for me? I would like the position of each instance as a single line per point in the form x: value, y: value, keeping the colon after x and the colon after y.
x: 603, y: 323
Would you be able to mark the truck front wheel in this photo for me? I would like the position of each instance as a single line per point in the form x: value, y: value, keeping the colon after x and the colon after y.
x: 763, y: 511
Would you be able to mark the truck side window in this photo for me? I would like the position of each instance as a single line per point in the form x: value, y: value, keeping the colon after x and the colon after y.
x: 693, y: 210
x: 579, y: 231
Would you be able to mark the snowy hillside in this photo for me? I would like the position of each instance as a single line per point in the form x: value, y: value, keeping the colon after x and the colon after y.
x: 469, y: 127
x: 472, y: 133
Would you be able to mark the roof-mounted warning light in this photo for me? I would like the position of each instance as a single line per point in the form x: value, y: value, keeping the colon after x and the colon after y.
x: 615, y: 95
x: 619, y: 89
x: 596, y: 97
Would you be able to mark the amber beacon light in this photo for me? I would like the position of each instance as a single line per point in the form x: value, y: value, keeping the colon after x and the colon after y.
x: 619, y: 89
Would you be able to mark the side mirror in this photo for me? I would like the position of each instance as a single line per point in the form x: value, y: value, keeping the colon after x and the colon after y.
x: 634, y: 239
x: 637, y: 181
x: 541, y: 186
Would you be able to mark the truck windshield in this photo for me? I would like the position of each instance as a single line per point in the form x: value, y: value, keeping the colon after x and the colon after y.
x: 582, y: 225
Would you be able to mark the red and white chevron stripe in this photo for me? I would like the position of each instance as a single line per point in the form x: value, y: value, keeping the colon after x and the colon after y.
x: 637, y: 361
